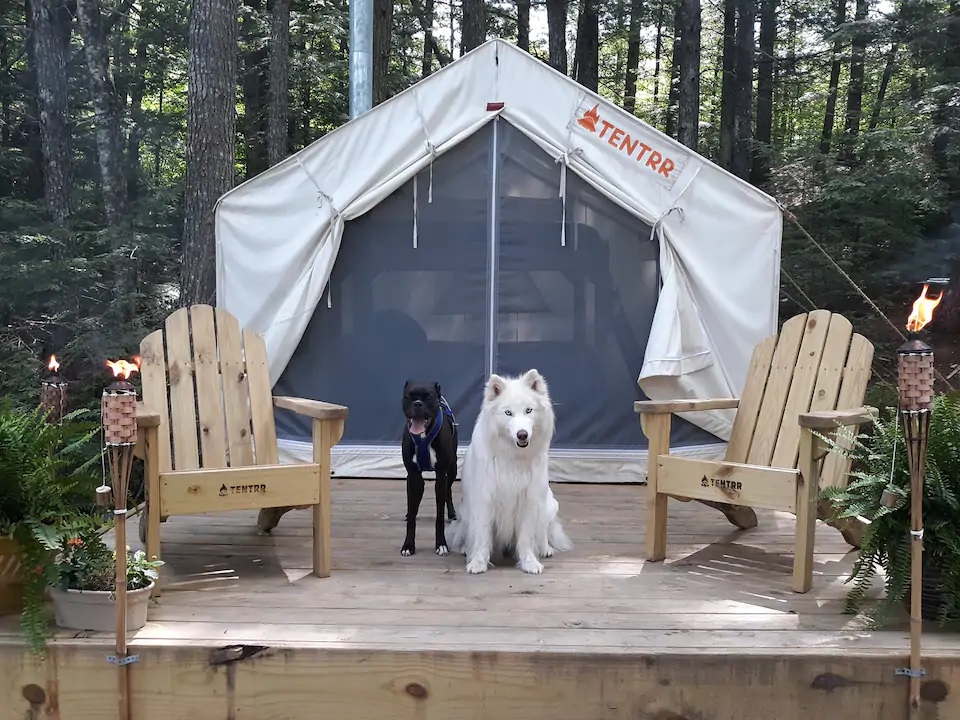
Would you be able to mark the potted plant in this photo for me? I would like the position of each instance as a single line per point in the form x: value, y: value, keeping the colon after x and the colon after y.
x: 880, y: 461
x: 83, y: 595
x: 49, y: 475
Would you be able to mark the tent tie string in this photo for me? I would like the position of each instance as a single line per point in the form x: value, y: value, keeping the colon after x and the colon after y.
x: 432, y: 150
x: 334, y: 213
x: 656, y: 231
x: 564, y: 160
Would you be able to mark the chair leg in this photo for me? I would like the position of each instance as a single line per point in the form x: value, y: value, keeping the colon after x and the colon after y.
x: 807, y: 493
x: 152, y: 478
x: 323, y: 441
x: 657, y: 429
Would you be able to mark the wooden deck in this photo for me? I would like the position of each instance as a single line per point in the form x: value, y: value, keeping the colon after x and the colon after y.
x: 715, y: 633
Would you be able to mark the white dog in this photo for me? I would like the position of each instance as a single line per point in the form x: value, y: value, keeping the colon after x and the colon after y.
x: 507, y: 502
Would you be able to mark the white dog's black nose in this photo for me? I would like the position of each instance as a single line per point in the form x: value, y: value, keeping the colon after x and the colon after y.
x: 522, y: 435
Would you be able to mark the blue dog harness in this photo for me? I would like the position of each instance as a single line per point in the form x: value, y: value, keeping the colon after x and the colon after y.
x: 422, y: 443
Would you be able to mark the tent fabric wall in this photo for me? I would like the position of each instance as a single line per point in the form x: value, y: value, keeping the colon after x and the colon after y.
x: 279, y: 234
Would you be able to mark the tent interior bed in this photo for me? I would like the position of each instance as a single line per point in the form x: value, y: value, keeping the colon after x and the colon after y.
x: 243, y: 629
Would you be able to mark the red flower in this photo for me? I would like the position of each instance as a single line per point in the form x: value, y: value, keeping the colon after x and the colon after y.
x: 75, y: 542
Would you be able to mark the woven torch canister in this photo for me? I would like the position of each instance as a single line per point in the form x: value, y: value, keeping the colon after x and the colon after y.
x: 915, y: 377
x: 53, y: 397
x: 119, y: 412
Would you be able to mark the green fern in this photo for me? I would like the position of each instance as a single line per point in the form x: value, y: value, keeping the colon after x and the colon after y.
x: 886, y: 541
x: 49, y: 475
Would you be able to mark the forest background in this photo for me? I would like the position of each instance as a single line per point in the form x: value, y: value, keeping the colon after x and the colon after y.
x: 124, y: 121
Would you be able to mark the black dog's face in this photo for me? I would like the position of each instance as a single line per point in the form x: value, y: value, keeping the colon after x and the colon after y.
x: 421, y: 403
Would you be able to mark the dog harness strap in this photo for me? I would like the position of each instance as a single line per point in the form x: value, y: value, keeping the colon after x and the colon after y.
x: 422, y: 444
x: 447, y: 410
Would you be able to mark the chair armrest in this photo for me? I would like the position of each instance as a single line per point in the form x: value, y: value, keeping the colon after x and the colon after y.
x: 146, y: 418
x: 829, y: 419
x: 316, y: 409
x: 659, y: 407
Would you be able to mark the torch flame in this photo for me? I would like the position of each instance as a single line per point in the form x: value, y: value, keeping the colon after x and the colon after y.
x: 922, y: 311
x: 122, y: 369
x: 54, y: 364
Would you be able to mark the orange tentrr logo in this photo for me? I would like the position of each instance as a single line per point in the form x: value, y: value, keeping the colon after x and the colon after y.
x: 620, y: 139
x: 590, y: 119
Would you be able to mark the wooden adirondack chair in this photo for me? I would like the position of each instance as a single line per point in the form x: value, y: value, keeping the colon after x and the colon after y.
x: 209, y: 440
x: 813, y: 376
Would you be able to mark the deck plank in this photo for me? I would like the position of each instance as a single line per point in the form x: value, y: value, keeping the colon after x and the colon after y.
x: 718, y: 588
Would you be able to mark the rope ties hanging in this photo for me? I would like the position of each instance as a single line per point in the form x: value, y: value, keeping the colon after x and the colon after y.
x: 564, y: 160
x: 334, y: 213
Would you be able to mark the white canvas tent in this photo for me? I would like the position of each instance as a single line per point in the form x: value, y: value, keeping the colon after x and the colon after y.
x: 498, y: 216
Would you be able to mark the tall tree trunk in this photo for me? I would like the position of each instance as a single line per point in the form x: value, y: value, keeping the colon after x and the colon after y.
x: 50, y: 35
x: 474, y: 29
x: 107, y: 114
x: 728, y: 85
x: 673, y: 96
x: 6, y: 84
x: 30, y: 124
x: 743, y: 125
x: 523, y: 25
x: 760, y: 172
x: 254, y: 95
x: 382, y: 33
x: 889, y: 64
x: 277, y: 112
x: 657, y: 57
x: 851, y: 128
x: 633, y: 56
x: 688, y: 103
x: 425, y: 17
x: 211, y: 143
x: 830, y: 113
x: 427, y: 63
x: 137, y: 88
x: 557, y: 34
x: 587, y: 54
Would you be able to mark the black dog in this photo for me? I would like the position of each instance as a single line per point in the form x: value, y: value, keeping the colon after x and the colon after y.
x: 429, y: 443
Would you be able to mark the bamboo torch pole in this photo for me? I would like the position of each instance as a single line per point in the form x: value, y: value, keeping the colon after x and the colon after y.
x: 915, y: 381
x: 119, y: 410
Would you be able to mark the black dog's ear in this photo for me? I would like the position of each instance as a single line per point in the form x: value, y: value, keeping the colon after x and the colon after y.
x: 436, y: 387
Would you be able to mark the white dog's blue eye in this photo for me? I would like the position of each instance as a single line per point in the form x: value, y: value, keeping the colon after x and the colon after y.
x: 529, y: 410
x: 508, y: 412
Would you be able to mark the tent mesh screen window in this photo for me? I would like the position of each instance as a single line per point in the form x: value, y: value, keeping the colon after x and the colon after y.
x: 492, y: 285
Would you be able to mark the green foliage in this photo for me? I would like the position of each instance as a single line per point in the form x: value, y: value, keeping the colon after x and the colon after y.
x: 85, y: 562
x: 880, y: 462
x: 49, y: 476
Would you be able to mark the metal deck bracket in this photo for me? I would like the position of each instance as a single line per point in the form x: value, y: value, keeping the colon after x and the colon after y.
x: 907, y: 672
x: 124, y: 660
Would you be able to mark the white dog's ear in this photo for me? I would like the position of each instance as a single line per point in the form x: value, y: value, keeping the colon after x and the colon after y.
x: 535, y: 381
x: 495, y: 386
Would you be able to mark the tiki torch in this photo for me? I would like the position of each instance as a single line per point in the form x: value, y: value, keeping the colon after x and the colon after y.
x: 53, y: 392
x: 119, y: 413
x: 915, y: 382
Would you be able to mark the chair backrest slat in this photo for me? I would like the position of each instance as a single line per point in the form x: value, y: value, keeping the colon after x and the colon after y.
x: 213, y: 435
x: 183, y: 413
x: 750, y: 401
x: 853, y: 387
x: 802, y: 384
x: 153, y: 381
x: 210, y: 384
x: 236, y: 393
x: 261, y: 400
x: 778, y: 387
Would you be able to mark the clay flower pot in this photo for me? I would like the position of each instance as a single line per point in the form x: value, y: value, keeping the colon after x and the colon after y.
x: 94, y: 609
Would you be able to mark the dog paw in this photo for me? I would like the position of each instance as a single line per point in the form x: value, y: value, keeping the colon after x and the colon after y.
x: 549, y: 551
x: 475, y: 567
x: 442, y: 550
x: 531, y: 565
x: 408, y: 549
